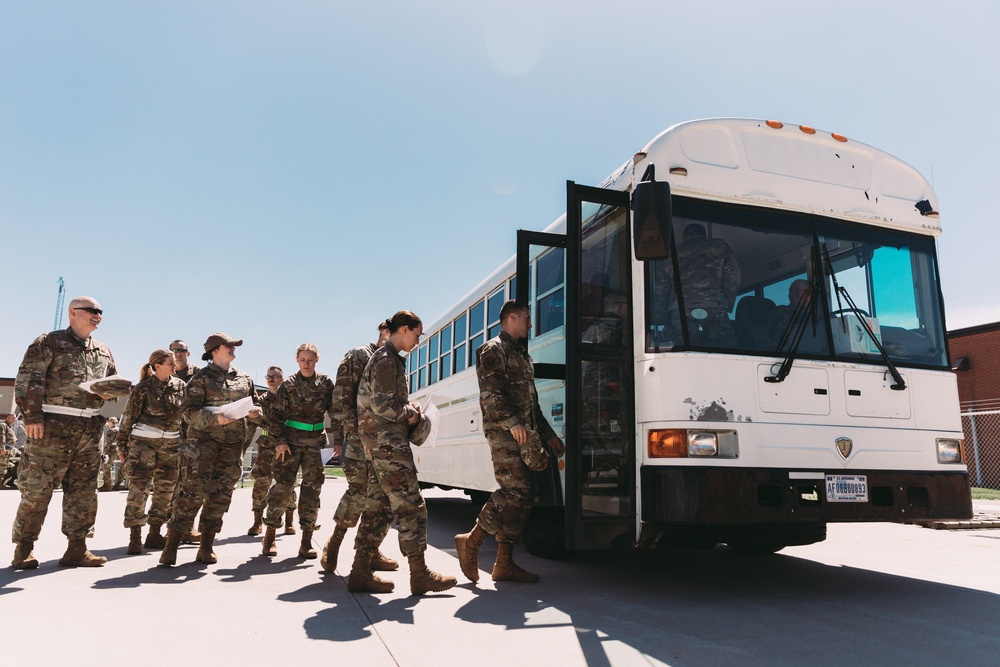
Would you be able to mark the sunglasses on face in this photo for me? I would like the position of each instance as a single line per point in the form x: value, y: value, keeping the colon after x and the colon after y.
x: 92, y: 311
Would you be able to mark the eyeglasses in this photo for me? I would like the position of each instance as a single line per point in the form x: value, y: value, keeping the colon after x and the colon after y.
x: 178, y: 349
x: 92, y: 311
x: 274, y: 377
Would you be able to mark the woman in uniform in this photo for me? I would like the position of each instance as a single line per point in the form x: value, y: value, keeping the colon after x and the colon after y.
x: 213, y: 451
x: 149, y: 440
x: 387, y: 423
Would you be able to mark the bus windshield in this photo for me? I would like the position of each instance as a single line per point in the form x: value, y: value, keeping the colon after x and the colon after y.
x: 739, y: 279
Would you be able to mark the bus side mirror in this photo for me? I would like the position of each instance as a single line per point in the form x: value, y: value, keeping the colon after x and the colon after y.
x: 651, y: 220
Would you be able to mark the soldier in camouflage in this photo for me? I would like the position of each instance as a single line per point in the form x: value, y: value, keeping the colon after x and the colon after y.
x: 509, y: 403
x: 8, y: 441
x: 386, y: 422
x: 64, y: 431
x: 263, y: 470
x: 710, y: 282
x: 212, y: 452
x: 184, y: 371
x: 109, y: 455
x: 295, y: 423
x: 345, y: 412
x: 150, y: 438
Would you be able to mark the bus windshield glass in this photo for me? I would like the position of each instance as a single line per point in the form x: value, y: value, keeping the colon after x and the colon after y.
x: 760, y: 281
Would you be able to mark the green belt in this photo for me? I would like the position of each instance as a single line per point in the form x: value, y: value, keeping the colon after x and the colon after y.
x: 304, y: 427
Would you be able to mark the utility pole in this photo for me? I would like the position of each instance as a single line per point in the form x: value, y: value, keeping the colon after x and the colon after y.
x: 59, y: 305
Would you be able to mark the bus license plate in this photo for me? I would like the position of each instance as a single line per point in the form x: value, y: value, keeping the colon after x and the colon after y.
x: 847, y: 488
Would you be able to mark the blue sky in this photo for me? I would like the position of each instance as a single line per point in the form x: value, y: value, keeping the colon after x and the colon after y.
x: 298, y: 171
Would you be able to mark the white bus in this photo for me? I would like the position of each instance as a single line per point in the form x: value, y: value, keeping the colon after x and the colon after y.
x: 765, y: 355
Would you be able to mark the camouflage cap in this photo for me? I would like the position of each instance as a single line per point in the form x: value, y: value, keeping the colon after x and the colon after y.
x: 217, y: 339
x: 533, y: 453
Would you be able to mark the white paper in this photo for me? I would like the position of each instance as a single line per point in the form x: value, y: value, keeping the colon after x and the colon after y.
x: 433, y: 415
x: 235, y: 410
x: 326, y: 453
x: 86, y: 386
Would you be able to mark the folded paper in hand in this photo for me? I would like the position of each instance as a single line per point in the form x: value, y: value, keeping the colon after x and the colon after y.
x: 235, y: 410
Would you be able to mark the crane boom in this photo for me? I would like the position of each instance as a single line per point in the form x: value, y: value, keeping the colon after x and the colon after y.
x: 57, y: 324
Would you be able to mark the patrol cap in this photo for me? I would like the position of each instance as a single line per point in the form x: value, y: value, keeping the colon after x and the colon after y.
x: 217, y: 339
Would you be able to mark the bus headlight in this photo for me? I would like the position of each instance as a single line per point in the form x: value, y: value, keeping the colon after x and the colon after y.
x: 702, y: 443
x: 949, y: 450
x: 676, y: 443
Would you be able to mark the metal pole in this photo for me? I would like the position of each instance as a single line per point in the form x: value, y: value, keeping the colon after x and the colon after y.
x: 975, y: 449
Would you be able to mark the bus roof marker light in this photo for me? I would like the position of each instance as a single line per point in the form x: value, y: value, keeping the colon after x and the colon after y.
x: 839, y: 137
x: 776, y: 124
x: 807, y: 129
x: 678, y: 171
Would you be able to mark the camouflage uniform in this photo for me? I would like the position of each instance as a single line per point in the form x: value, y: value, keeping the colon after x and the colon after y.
x: 508, y: 398
x: 710, y: 281
x: 211, y: 454
x: 345, y: 412
x: 153, y: 462
x: 187, y: 373
x: 263, y: 469
x: 383, y: 414
x: 108, y: 455
x: 300, y: 402
x: 68, y: 455
x: 7, y: 439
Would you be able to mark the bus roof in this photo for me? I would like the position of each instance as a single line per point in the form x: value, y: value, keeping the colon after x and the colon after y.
x: 792, y: 167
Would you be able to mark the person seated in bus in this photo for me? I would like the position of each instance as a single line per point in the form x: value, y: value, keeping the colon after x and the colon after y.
x: 710, y: 281
x: 800, y: 296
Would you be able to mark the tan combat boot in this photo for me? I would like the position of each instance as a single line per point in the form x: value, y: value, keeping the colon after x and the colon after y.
x: 267, y: 546
x: 330, y: 551
x: 305, y: 547
x: 425, y: 580
x: 205, y: 553
x: 258, y: 519
x: 169, y: 555
x: 361, y: 579
x: 77, y: 555
x: 289, y: 524
x: 191, y: 537
x: 467, y: 547
x: 135, y: 541
x: 24, y: 556
x: 153, y: 538
x: 382, y: 563
x: 507, y: 570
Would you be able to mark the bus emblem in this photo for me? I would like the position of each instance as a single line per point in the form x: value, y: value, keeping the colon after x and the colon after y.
x: 844, y: 446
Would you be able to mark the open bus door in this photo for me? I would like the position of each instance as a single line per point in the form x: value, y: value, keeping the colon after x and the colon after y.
x: 599, y: 502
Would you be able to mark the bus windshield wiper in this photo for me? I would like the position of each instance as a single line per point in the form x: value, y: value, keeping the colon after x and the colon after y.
x: 804, y: 311
x: 899, y: 384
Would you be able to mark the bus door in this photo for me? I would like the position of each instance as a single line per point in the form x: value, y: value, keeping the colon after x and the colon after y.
x: 581, y: 293
x: 600, y: 406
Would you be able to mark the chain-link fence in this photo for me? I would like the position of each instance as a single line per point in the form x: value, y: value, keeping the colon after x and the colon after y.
x: 982, y: 444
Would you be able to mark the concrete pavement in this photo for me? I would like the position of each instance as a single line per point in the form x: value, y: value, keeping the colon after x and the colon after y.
x: 870, y: 594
